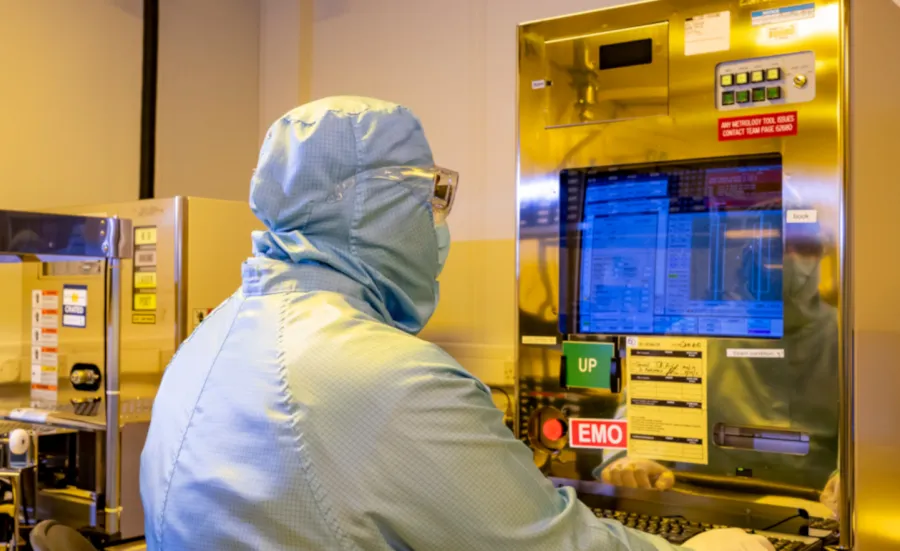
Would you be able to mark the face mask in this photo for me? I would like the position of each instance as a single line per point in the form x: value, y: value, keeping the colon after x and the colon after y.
x: 443, y: 243
x: 802, y: 274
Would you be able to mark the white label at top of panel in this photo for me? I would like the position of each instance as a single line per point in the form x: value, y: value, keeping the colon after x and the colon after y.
x: 705, y: 34
x: 783, y: 15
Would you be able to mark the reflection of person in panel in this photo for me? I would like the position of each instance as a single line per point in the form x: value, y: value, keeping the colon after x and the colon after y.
x: 25, y: 241
x: 798, y: 393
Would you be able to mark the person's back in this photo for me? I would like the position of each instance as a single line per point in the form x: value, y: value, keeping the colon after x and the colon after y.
x: 304, y: 414
x: 298, y: 421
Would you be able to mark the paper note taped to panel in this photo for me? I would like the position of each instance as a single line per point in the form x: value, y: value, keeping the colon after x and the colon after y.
x: 667, y: 406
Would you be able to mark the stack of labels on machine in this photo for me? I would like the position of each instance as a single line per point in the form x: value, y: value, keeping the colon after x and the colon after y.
x: 587, y: 364
x: 144, y: 284
x: 598, y: 434
x: 667, y: 389
x: 44, y: 345
x: 770, y: 125
x: 75, y: 306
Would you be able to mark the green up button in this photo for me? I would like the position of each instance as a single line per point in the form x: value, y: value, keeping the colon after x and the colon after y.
x: 587, y: 364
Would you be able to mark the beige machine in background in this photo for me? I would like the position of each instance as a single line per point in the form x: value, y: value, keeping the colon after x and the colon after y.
x: 183, y: 258
x: 187, y: 259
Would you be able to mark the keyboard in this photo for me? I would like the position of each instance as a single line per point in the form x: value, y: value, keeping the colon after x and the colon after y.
x: 828, y: 524
x: 677, y: 530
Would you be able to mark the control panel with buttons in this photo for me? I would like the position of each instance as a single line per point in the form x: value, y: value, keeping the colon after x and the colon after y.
x: 766, y: 81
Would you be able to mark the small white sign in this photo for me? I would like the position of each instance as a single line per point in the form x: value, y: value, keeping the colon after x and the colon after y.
x: 755, y: 353
x: 77, y: 321
x: 75, y: 295
x: 44, y: 337
x: 784, y: 15
x: 48, y: 356
x: 45, y: 300
x: 48, y: 319
x: 44, y: 377
x: 632, y: 342
x: 75, y: 299
x: 802, y: 216
x: 538, y: 84
x: 705, y: 34
x: 538, y: 339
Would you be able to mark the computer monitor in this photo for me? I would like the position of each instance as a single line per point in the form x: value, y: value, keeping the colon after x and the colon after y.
x: 678, y: 248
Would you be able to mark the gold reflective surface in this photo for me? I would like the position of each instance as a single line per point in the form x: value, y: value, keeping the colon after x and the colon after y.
x: 586, y: 117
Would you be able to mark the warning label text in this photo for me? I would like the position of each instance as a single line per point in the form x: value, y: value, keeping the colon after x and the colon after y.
x: 772, y: 125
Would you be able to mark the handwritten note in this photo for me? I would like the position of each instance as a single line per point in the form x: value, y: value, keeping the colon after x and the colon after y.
x: 667, y: 410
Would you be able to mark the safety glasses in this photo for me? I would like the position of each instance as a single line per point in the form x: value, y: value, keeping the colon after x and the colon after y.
x: 445, y: 182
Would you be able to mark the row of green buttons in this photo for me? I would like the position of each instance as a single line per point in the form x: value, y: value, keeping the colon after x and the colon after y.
x: 753, y: 76
x: 744, y: 96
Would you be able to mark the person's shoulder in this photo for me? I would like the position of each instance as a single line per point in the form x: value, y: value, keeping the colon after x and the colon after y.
x: 353, y: 345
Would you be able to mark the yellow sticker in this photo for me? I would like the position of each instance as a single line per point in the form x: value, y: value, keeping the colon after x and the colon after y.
x: 143, y: 319
x: 668, y: 408
x: 145, y: 236
x: 145, y: 301
x: 145, y: 280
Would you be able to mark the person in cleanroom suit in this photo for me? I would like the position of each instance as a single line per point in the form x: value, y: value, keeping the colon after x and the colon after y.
x: 303, y: 413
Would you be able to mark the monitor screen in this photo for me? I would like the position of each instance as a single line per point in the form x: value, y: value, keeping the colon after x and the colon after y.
x: 687, y: 248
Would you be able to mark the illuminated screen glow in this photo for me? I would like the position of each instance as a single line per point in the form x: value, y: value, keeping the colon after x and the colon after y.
x: 683, y: 250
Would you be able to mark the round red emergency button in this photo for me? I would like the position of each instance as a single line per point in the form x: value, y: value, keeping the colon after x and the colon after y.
x: 553, y: 429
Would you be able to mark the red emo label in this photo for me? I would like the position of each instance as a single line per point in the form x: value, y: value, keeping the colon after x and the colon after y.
x: 598, y: 434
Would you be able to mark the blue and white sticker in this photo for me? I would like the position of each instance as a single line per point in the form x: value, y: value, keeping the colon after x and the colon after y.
x: 783, y: 15
x: 74, y: 312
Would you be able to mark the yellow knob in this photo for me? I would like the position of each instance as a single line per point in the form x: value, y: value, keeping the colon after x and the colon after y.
x: 800, y: 81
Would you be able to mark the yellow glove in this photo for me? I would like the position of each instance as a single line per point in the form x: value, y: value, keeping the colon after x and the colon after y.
x: 831, y: 495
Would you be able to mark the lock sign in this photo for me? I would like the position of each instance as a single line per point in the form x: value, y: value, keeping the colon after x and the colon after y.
x: 588, y: 364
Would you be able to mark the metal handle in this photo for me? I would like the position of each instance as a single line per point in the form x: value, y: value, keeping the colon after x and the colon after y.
x: 112, y: 493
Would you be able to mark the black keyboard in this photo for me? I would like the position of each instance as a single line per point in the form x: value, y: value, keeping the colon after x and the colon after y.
x: 825, y: 524
x: 677, y: 530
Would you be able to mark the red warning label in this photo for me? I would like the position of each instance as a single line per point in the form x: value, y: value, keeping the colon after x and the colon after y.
x: 600, y: 434
x: 771, y: 125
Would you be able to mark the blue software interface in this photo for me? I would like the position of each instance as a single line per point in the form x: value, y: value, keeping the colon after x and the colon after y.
x: 687, y: 251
